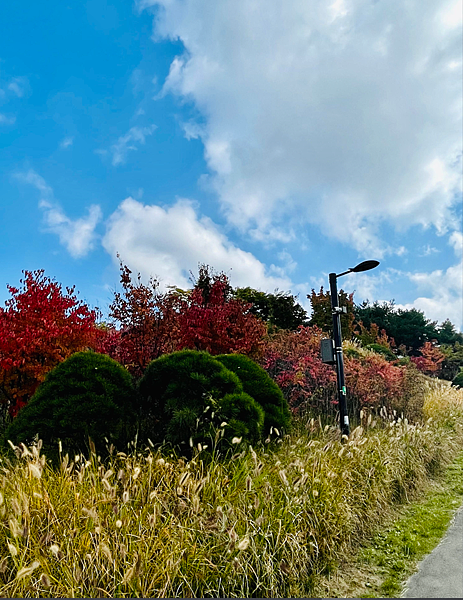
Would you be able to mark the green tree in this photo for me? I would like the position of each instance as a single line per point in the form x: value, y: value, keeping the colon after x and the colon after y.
x: 280, y: 310
x: 380, y: 315
x: 447, y: 334
x: 322, y: 316
x: 453, y: 361
x: 408, y: 327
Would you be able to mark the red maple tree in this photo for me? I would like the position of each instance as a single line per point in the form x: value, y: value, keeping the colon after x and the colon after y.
x: 211, y: 319
x: 40, y: 326
x: 430, y: 360
x: 144, y: 323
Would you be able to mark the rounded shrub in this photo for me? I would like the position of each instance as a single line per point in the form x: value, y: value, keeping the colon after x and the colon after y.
x: 245, y: 417
x: 89, y: 395
x: 260, y: 386
x: 188, y: 395
x: 385, y: 352
x: 458, y: 380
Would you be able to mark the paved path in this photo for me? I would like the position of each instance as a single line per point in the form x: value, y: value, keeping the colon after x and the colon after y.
x: 440, y: 574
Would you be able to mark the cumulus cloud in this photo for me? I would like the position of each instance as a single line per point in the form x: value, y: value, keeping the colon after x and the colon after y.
x: 127, y: 142
x: 442, y: 288
x: 347, y: 114
x: 77, y: 236
x: 167, y: 242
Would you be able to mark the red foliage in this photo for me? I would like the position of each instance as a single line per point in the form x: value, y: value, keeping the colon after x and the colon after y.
x: 39, y: 327
x: 211, y: 319
x: 293, y: 360
x: 430, y: 359
x: 372, y: 381
x: 147, y: 320
x: 152, y: 323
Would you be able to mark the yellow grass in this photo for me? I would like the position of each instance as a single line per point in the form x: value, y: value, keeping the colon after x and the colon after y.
x: 265, y: 523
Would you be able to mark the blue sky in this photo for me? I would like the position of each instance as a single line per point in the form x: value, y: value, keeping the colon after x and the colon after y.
x: 275, y: 141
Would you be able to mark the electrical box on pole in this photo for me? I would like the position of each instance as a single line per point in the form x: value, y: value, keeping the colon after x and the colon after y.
x: 327, y: 352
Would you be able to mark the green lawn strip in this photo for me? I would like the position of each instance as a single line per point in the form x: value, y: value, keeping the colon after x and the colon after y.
x: 382, y: 566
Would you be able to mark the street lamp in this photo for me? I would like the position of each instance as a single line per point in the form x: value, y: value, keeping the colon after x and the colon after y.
x: 337, y: 358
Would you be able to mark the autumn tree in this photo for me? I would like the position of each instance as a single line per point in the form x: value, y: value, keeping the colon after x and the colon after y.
x: 144, y: 323
x: 40, y: 326
x: 429, y: 360
x: 293, y: 361
x: 212, y: 319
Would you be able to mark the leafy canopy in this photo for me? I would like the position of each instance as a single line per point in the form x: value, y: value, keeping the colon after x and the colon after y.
x: 280, y: 310
x: 40, y: 326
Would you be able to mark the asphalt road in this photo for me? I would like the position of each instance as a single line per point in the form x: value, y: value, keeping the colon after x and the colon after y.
x: 440, y: 574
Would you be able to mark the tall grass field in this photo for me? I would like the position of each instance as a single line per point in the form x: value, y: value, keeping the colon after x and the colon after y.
x: 265, y: 522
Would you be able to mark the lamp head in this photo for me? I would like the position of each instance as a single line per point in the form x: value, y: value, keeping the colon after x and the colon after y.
x: 366, y: 265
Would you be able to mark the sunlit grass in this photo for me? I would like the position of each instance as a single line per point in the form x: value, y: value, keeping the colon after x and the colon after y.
x: 267, y: 522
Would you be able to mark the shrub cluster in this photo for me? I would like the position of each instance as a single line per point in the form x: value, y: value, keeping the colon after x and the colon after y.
x: 187, y: 395
x: 373, y: 380
x: 184, y: 398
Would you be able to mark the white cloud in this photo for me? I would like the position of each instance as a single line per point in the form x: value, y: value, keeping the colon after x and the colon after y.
x: 346, y: 113
x: 5, y: 120
x: 19, y: 86
x: 68, y: 141
x: 34, y: 179
x: 77, y: 236
x: 442, y: 289
x: 168, y: 242
x: 428, y: 250
x: 127, y: 142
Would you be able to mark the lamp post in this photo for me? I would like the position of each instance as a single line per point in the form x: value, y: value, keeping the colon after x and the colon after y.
x: 336, y: 311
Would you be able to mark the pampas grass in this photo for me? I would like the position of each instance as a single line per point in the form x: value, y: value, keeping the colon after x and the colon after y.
x: 266, y: 522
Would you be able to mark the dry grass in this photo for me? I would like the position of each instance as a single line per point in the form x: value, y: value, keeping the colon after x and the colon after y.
x: 266, y: 523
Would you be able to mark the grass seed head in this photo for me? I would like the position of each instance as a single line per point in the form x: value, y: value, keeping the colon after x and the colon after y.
x: 243, y: 544
x: 26, y: 571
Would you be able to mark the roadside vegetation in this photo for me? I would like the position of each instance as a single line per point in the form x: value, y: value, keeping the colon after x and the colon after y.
x: 383, y: 563
x: 271, y: 521
x: 190, y: 448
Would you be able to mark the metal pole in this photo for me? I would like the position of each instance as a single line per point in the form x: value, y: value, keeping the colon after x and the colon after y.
x: 336, y: 310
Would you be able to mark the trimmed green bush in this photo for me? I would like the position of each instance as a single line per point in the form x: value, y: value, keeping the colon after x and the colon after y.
x: 245, y: 417
x: 260, y: 386
x: 458, y: 380
x: 189, y: 394
x: 87, y: 395
x: 385, y: 352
